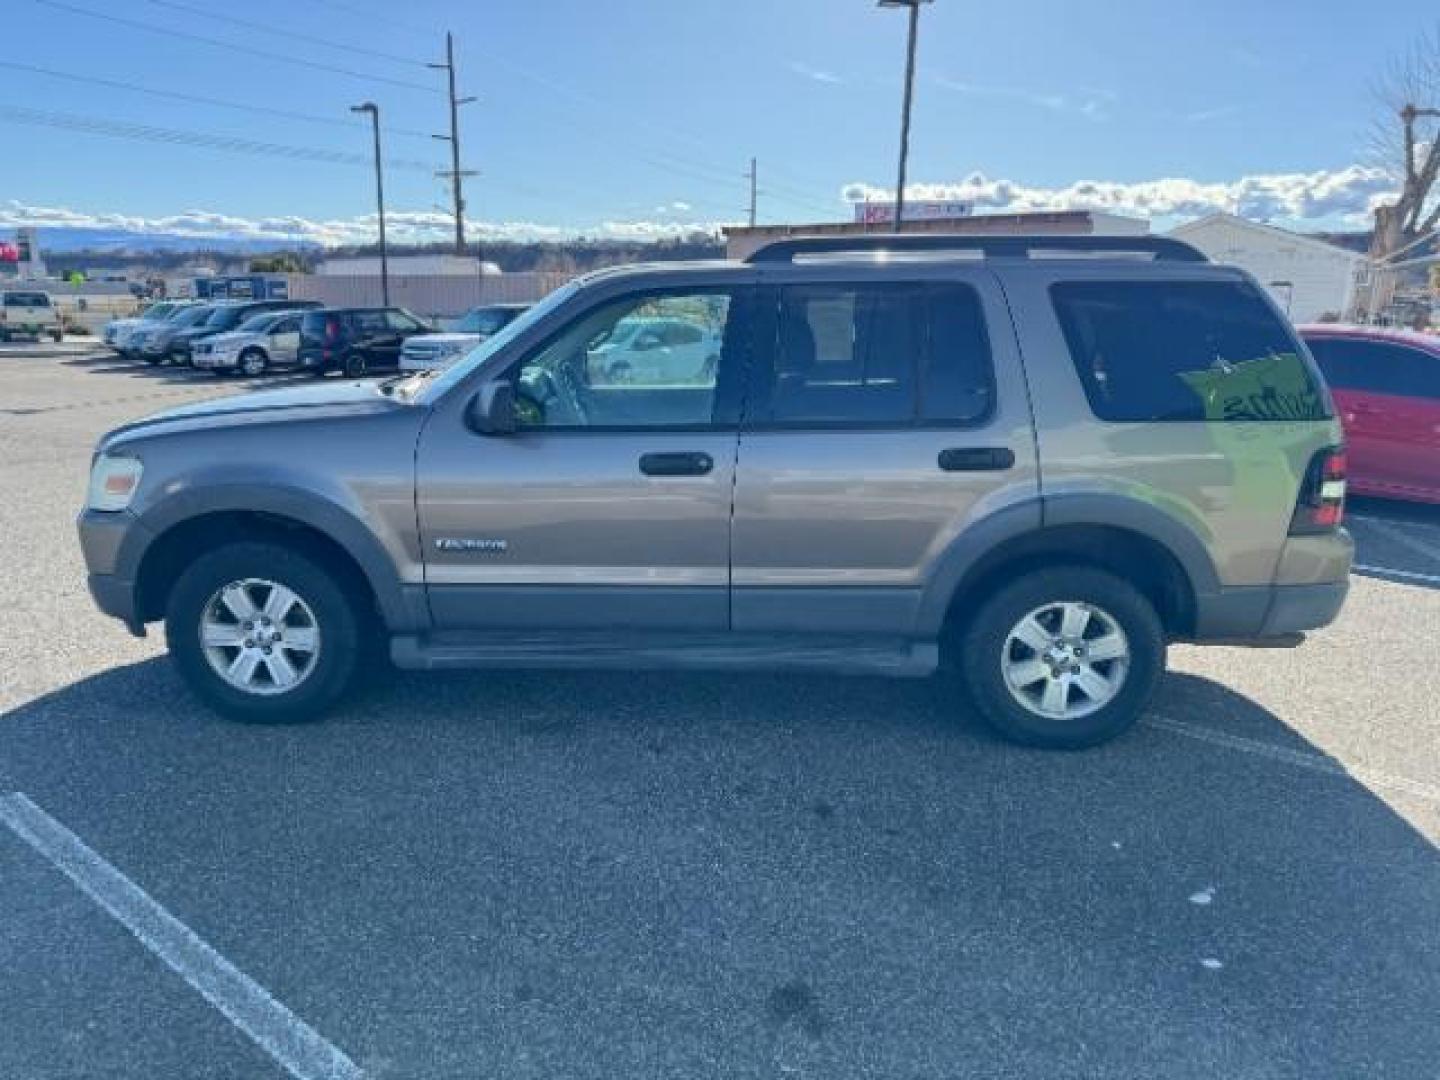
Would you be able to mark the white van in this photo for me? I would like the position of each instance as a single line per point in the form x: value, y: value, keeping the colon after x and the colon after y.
x: 29, y: 313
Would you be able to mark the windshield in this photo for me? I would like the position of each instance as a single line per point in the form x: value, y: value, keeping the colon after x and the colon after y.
x: 483, y: 321
x: 431, y: 386
x: 259, y: 324
x: 222, y: 318
x: 157, y: 311
x: 192, y: 316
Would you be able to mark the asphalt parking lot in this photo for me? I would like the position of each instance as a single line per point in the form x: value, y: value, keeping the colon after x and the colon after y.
x: 660, y: 875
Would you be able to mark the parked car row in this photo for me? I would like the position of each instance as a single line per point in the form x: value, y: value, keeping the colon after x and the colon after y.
x: 252, y: 337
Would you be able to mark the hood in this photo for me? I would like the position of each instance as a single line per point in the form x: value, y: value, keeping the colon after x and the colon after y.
x: 332, y: 399
x: 232, y: 337
x: 445, y: 340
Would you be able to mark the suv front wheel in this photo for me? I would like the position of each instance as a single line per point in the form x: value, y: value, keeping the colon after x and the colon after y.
x: 263, y: 634
x: 1063, y: 657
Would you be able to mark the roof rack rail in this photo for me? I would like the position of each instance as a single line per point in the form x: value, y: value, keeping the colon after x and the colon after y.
x: 1160, y: 248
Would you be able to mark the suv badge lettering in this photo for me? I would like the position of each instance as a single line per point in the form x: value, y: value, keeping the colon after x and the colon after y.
x: 479, y: 547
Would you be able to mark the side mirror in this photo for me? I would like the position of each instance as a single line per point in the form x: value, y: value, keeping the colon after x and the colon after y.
x: 492, y: 410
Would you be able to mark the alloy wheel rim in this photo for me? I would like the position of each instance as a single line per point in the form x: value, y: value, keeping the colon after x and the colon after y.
x: 1065, y: 660
x: 259, y: 636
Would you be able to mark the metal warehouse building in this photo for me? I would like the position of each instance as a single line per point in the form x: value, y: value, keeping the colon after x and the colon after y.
x: 1309, y: 278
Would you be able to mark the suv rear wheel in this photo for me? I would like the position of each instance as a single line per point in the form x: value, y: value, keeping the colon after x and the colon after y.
x: 253, y: 363
x: 1064, y: 657
x: 263, y: 634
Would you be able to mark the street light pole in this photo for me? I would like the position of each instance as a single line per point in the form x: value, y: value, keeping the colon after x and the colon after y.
x: 914, y: 18
x: 374, y: 111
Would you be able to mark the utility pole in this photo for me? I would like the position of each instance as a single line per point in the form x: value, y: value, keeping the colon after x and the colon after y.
x: 914, y: 6
x: 454, y: 174
x: 754, y: 191
x: 373, y: 111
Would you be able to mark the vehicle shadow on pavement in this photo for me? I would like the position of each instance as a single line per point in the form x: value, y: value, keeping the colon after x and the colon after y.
x: 568, y: 874
x: 172, y: 373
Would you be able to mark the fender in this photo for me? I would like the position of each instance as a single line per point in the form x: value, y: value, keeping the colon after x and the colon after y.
x: 402, y: 605
x: 1138, y: 516
x: 1023, y: 519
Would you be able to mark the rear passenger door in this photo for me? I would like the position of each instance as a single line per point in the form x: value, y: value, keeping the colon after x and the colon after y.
x: 882, y: 417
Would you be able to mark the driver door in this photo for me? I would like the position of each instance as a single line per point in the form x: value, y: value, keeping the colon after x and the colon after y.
x: 609, y: 507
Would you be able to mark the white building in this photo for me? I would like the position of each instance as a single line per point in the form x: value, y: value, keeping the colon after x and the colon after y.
x: 1309, y: 278
x: 407, y: 266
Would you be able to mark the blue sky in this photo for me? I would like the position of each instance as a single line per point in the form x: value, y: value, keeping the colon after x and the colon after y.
x: 644, y: 114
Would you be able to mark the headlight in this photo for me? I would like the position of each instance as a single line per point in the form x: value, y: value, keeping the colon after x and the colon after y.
x: 113, y: 481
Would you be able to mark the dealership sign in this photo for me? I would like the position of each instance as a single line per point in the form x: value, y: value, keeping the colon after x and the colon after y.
x: 883, y: 213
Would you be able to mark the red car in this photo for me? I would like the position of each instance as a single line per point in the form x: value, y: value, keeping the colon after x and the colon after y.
x: 1387, y: 388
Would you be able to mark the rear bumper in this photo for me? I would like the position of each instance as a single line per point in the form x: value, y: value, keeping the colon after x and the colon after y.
x: 1253, y: 615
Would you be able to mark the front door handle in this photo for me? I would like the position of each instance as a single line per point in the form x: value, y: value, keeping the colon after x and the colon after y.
x: 686, y: 464
x: 977, y: 458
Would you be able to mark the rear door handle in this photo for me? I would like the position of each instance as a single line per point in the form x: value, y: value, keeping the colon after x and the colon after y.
x: 977, y: 458
x: 685, y: 464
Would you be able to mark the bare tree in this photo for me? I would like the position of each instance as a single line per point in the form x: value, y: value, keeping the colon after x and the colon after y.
x: 1405, y: 140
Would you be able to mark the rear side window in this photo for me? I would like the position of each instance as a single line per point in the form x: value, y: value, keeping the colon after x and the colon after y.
x: 1185, y: 350
x: 1377, y: 367
x: 893, y: 353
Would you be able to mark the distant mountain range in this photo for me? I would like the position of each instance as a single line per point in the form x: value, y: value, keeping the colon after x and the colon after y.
x: 122, y: 241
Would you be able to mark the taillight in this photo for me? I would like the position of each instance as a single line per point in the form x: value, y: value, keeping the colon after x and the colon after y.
x: 332, y: 329
x: 1321, y: 506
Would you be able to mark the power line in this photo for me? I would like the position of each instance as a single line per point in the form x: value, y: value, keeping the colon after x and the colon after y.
x: 220, y: 43
x: 196, y: 99
x: 98, y: 125
x: 290, y: 35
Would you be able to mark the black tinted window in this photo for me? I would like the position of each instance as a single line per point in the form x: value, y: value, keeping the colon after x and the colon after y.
x: 1171, y: 350
x: 885, y: 353
x: 27, y: 300
x: 1377, y: 367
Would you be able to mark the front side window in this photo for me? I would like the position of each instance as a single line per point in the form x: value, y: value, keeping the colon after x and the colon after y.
x: 398, y: 320
x: 891, y: 353
x: 615, y: 367
x: 1185, y: 351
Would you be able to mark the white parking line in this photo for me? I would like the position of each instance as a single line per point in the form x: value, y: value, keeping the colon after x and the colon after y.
x: 302, y: 1051
x: 1405, y: 540
x: 1372, y: 778
x: 1404, y: 575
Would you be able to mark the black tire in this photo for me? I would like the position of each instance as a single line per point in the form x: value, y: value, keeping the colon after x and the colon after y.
x: 342, y: 627
x: 355, y: 365
x: 985, y: 644
x: 253, y: 355
x: 153, y: 361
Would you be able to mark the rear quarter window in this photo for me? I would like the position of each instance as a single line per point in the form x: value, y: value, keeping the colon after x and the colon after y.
x: 1185, y: 351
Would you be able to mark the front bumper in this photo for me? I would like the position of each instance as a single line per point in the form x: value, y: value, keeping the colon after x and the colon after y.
x: 215, y: 360
x: 110, y: 543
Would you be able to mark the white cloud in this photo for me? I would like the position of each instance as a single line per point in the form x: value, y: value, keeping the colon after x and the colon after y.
x: 402, y: 226
x: 1339, y: 196
x: 813, y: 73
x: 1204, y: 116
x: 1089, y: 103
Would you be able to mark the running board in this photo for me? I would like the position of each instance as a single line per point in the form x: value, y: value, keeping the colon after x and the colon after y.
x: 899, y: 657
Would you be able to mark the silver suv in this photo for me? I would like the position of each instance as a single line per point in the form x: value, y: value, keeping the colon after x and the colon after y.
x: 1034, y: 462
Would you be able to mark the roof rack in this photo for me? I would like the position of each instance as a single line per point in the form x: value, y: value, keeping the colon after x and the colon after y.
x: 1160, y: 248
